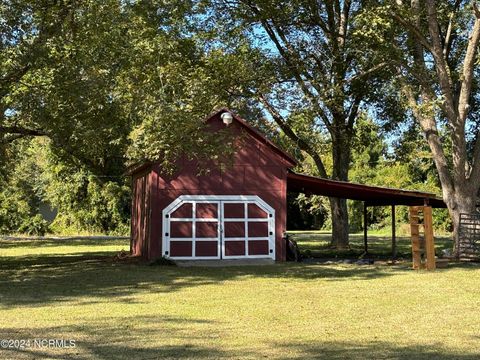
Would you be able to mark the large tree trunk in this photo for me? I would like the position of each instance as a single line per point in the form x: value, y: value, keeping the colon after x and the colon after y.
x: 462, y: 201
x: 339, y: 223
x: 341, y: 163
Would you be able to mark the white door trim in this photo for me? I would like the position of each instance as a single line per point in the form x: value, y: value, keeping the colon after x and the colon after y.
x: 220, y: 200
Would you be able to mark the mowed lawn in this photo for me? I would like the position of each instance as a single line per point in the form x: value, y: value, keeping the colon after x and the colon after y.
x: 317, y: 244
x: 73, y: 289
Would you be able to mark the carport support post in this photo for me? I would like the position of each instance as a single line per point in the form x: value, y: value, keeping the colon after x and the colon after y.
x: 429, y: 239
x: 394, y: 238
x: 365, y: 224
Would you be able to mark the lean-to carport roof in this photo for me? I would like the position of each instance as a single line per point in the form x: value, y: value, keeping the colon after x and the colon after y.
x: 372, y: 195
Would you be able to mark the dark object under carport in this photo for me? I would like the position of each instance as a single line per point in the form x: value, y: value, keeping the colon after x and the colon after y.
x: 293, y: 252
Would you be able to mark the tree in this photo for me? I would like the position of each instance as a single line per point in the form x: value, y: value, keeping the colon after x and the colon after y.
x: 79, y: 201
x: 436, y: 61
x: 320, y: 75
x: 98, y: 78
x: 59, y: 65
x: 105, y: 82
x: 20, y: 192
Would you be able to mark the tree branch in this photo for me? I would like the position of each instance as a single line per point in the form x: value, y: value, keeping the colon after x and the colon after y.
x: 342, y: 31
x: 367, y: 72
x: 16, y: 130
x: 302, y: 144
x: 432, y: 136
x: 316, y: 11
x: 414, y: 30
x: 468, y: 69
x: 449, y: 34
x: 286, y: 54
x: 443, y: 72
x: 353, y: 112
x: 474, y: 176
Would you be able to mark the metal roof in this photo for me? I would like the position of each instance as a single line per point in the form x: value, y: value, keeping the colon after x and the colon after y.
x: 372, y: 195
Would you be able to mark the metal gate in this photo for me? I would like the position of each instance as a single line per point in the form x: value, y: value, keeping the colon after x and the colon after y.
x: 469, y: 236
x: 218, y: 227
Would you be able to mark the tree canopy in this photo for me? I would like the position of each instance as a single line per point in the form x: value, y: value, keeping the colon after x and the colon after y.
x: 381, y: 92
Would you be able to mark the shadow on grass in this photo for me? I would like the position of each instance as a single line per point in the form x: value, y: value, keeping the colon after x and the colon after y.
x: 373, y: 350
x: 44, y: 279
x: 121, y: 338
x: 165, y: 338
x: 70, y: 241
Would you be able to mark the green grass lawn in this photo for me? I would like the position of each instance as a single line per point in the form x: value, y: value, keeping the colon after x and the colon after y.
x: 73, y: 289
x: 317, y: 244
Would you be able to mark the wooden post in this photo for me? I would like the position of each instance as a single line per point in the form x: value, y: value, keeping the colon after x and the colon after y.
x: 365, y: 225
x: 429, y: 240
x: 394, y: 238
x: 415, y: 237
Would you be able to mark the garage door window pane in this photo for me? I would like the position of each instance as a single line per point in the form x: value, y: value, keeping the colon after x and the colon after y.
x: 254, y: 211
x: 234, y: 229
x: 206, y: 211
x: 181, y: 229
x: 184, y: 211
x: 258, y: 229
x: 180, y: 248
x: 234, y: 210
x: 206, y: 229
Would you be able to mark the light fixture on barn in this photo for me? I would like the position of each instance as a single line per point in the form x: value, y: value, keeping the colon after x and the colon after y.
x: 227, y: 118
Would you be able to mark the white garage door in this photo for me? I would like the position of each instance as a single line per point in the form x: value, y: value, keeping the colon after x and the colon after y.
x: 218, y: 227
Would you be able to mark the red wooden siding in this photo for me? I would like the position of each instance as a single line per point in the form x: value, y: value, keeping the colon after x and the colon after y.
x: 257, y: 229
x: 184, y: 211
x: 233, y: 211
x: 181, y: 229
x: 234, y: 229
x: 140, y: 225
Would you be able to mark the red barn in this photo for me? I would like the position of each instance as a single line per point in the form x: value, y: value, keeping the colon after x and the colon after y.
x: 237, y: 213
